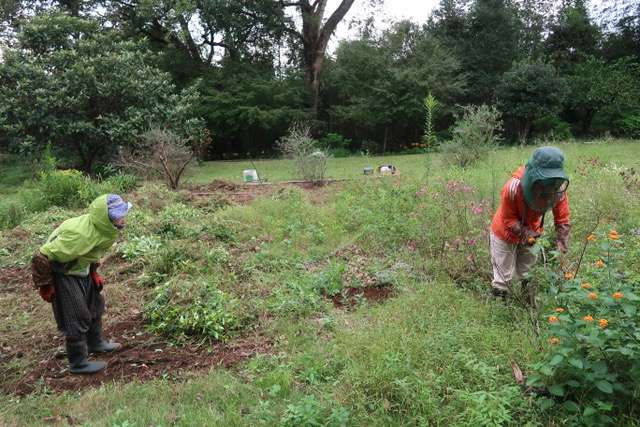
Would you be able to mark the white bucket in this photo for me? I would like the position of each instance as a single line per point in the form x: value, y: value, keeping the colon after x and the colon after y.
x: 250, y: 175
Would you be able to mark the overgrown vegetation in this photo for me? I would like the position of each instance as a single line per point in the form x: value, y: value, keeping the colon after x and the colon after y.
x: 307, y: 154
x: 206, y: 271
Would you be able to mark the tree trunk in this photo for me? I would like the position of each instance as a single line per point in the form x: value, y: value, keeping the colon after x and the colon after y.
x: 523, y: 130
x: 315, y: 38
x: 587, y: 118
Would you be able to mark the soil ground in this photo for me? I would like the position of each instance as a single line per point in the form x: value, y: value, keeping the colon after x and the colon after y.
x: 143, y: 356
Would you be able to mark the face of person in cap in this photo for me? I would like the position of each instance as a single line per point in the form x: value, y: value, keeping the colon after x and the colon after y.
x: 548, y: 192
x: 544, y: 181
x: 117, y: 210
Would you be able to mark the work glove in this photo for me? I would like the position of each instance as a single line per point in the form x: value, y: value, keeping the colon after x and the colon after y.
x: 46, y: 292
x: 527, y: 236
x: 562, y: 236
x: 97, y: 280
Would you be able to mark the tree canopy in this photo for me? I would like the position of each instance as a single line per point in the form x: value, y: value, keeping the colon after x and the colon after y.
x: 90, y: 75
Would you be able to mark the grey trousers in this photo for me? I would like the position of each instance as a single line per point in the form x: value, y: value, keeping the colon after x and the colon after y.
x: 509, y: 260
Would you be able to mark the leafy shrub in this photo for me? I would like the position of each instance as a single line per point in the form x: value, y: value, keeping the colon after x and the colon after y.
x: 629, y: 125
x: 160, y: 154
x: 11, y: 214
x: 309, y: 158
x: 552, y: 128
x: 65, y: 188
x: 335, y: 141
x: 594, y: 361
x: 191, y: 309
x: 474, y: 136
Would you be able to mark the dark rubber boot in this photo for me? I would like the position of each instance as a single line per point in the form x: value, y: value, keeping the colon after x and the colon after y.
x: 95, y: 343
x: 78, y: 363
x: 499, y: 294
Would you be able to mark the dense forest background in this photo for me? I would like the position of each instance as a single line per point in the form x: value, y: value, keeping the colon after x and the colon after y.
x: 232, y: 76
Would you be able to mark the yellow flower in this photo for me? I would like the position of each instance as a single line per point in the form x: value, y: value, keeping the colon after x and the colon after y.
x: 600, y: 263
x: 568, y: 276
x: 593, y: 295
x: 553, y: 319
x: 586, y: 285
x: 617, y: 295
x: 613, y: 236
x: 590, y: 238
x: 588, y: 318
x: 603, y: 323
x: 555, y: 340
x: 559, y: 310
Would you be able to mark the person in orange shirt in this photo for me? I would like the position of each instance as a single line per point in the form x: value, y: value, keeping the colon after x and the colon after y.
x: 531, y: 191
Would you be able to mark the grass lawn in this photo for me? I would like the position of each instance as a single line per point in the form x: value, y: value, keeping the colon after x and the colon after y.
x: 625, y: 153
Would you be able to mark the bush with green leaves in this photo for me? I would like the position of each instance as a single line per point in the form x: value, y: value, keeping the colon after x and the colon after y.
x: 551, y: 128
x: 192, y: 309
x: 475, y: 135
x: 12, y: 213
x: 629, y: 124
x: 310, y: 159
x: 593, y: 362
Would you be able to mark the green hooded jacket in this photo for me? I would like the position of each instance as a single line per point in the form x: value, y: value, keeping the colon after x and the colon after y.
x: 81, y: 240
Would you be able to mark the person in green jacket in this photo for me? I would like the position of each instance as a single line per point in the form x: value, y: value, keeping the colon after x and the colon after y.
x: 65, y: 272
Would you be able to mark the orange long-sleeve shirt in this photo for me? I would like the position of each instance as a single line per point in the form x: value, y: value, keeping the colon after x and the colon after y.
x: 512, y: 209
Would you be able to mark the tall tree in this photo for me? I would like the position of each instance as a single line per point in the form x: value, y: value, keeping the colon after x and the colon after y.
x: 529, y: 91
x: 572, y: 36
x: 315, y: 36
x: 486, y: 35
x: 378, y: 84
x: 598, y: 86
x: 86, y: 91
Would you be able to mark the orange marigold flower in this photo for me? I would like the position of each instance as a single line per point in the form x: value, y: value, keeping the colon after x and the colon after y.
x: 553, y: 319
x: 603, y: 323
x: 593, y: 295
x: 613, y: 233
x: 588, y: 318
x: 613, y: 236
x: 600, y: 263
x: 586, y: 285
x: 591, y: 237
x: 568, y: 276
x: 555, y: 340
x: 532, y: 240
x: 617, y: 295
x: 559, y: 310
